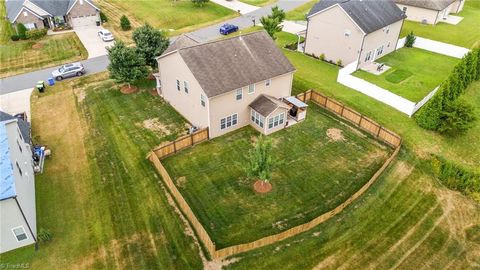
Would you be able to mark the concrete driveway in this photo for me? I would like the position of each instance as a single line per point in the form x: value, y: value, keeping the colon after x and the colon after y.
x: 95, y: 46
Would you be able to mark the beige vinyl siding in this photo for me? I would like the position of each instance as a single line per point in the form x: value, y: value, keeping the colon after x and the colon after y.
x: 272, y: 116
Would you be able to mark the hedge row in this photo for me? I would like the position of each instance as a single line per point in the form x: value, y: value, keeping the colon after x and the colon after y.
x: 433, y: 114
x: 456, y: 177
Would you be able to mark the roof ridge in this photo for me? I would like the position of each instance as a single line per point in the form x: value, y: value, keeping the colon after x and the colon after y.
x: 221, y: 40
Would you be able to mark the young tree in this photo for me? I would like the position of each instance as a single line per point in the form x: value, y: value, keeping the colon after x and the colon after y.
x: 22, y: 31
x: 199, y: 2
x: 125, y: 64
x: 456, y: 118
x: 260, y: 160
x: 278, y: 14
x: 150, y: 43
x: 410, y: 40
x: 271, y: 25
x: 125, y: 23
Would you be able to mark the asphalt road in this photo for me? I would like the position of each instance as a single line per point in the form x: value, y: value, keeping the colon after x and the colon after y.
x: 99, y: 64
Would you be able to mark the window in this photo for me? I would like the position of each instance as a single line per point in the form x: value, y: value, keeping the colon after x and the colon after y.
x: 380, y: 50
x: 251, y: 88
x: 25, y: 14
x: 178, y: 85
x: 276, y: 120
x: 257, y: 118
x: 202, y: 100
x: 239, y: 94
x: 19, y: 146
x: 347, y: 33
x: 268, y: 82
x: 368, y: 56
x: 388, y: 44
x: 19, y: 233
x: 228, y: 121
x: 18, y: 167
x: 185, y: 86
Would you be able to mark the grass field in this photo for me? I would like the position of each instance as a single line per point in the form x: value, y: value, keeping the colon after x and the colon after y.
x: 307, y: 181
x: 174, y: 16
x: 259, y: 3
x: 99, y: 196
x: 464, y: 34
x: 300, y: 12
x: 24, y: 56
x: 414, y: 73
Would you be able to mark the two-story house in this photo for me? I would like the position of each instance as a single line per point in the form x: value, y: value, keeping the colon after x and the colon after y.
x: 18, y: 226
x: 429, y: 11
x: 230, y: 83
x: 353, y: 30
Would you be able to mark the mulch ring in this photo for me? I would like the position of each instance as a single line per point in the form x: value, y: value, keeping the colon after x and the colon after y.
x: 262, y: 187
x: 150, y: 77
x: 37, y: 46
x: 153, y: 92
x: 128, y: 90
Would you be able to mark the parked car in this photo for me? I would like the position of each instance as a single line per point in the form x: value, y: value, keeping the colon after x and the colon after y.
x: 228, y: 28
x: 105, y: 35
x: 68, y: 70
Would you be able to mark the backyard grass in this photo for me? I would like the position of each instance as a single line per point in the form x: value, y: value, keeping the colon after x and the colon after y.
x: 99, y: 196
x: 174, y: 16
x: 465, y: 34
x: 24, y: 56
x: 414, y: 73
x: 300, y: 13
x: 313, y: 174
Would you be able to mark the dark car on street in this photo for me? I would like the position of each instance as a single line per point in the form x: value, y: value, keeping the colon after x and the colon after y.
x: 228, y: 28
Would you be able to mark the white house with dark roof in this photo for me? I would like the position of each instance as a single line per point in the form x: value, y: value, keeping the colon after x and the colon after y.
x: 50, y: 13
x: 429, y: 11
x: 18, y: 226
x: 353, y: 30
x: 230, y: 83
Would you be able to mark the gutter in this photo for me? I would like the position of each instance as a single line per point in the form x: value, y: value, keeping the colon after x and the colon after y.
x: 306, y: 33
x: 399, y: 32
x: 26, y: 221
x: 361, y: 50
x: 436, y: 18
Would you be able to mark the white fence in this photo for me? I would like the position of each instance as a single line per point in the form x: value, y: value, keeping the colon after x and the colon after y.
x: 424, y: 100
x: 436, y: 47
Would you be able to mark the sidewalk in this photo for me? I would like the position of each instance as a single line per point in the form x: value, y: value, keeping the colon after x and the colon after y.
x: 293, y: 27
x: 236, y: 5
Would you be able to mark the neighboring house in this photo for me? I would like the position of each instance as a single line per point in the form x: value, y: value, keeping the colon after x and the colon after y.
x: 429, y: 11
x: 230, y: 83
x: 18, y: 225
x: 351, y: 30
x: 51, y: 13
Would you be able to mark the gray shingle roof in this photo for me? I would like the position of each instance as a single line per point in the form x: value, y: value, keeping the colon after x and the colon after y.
x: 225, y: 65
x: 265, y: 105
x: 369, y: 15
x: 428, y: 4
x: 54, y: 7
x: 181, y: 42
x: 24, y: 126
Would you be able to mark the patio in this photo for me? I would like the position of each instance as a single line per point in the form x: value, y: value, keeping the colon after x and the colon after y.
x: 451, y: 19
x: 375, y: 68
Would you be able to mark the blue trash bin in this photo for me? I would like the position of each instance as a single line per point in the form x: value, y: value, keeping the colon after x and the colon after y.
x: 51, y: 81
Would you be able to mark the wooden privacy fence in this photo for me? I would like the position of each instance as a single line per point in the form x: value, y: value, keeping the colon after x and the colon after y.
x: 181, y: 143
x: 352, y: 116
x: 358, y: 119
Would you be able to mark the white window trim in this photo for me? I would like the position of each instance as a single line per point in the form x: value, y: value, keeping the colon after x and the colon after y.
x: 178, y: 85
x: 25, y: 14
x: 202, y: 100
x: 254, y: 116
x: 248, y: 91
x: 186, y: 87
x: 281, y: 120
x: 268, y: 82
x: 24, y: 231
x: 239, y: 90
x: 232, y: 124
x: 380, y: 50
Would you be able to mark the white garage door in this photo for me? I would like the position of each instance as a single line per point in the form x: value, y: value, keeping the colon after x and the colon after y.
x: 84, y: 21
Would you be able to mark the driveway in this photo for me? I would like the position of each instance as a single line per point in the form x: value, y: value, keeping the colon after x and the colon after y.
x: 236, y: 5
x: 95, y: 46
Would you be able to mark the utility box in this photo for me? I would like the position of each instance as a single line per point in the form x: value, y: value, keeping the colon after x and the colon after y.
x: 40, y: 86
x: 51, y: 81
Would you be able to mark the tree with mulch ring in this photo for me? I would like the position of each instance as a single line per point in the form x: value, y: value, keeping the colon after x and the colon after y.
x: 126, y: 66
x: 128, y: 89
x: 260, y: 164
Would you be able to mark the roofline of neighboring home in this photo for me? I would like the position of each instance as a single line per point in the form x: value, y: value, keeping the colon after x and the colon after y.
x: 88, y: 1
x: 337, y: 4
x: 163, y: 55
x: 31, y: 11
x: 428, y: 7
x: 224, y: 93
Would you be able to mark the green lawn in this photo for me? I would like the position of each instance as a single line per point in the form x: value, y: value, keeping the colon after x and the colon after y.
x: 180, y: 16
x: 300, y: 13
x: 465, y: 34
x: 99, y: 196
x: 259, y: 3
x: 414, y: 73
x: 307, y: 181
x: 24, y: 56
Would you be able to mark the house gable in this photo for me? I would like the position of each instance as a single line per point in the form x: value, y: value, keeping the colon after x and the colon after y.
x: 78, y: 8
x: 30, y: 12
x: 346, y: 14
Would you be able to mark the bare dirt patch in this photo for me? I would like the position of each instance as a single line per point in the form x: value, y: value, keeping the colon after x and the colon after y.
x: 181, y: 182
x: 128, y: 90
x: 262, y: 187
x: 37, y: 46
x: 156, y: 125
x: 153, y: 92
x: 335, y: 135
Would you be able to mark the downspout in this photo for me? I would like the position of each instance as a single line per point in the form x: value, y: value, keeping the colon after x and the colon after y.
x: 306, y: 33
x: 436, y: 18
x: 403, y: 21
x: 361, y: 50
x: 26, y: 221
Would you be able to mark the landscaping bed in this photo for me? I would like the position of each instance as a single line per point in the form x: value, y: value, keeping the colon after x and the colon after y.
x: 413, y: 74
x: 319, y: 164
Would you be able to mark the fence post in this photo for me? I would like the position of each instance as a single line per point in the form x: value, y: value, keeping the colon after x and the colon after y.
x: 304, y: 96
x: 360, y: 122
x: 191, y: 138
x: 174, y: 147
x: 379, y: 129
x: 343, y: 108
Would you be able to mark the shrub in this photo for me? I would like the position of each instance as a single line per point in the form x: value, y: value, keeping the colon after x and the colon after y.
x: 36, y: 33
x: 456, y: 177
x: 456, y: 118
x: 44, y: 235
x: 125, y: 23
x: 322, y: 57
x: 339, y: 62
x: 199, y: 2
x: 410, y: 40
x: 103, y: 17
x: 14, y: 37
x: 22, y: 31
x: 292, y: 46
